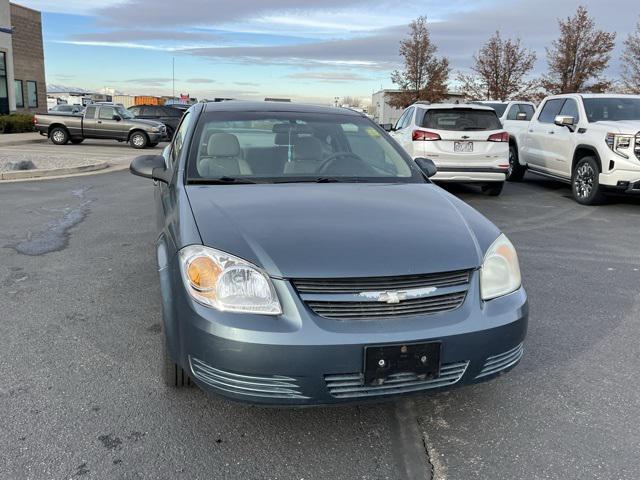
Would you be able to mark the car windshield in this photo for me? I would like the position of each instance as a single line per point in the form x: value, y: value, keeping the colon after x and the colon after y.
x: 612, y: 108
x: 498, y: 107
x: 284, y: 147
x: 124, y: 113
x: 461, y: 119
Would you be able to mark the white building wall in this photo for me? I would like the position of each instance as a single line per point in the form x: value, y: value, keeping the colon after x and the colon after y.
x: 5, y: 46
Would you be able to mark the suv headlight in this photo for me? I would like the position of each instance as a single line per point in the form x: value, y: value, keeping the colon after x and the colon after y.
x: 500, y: 272
x: 227, y: 283
x: 617, y: 142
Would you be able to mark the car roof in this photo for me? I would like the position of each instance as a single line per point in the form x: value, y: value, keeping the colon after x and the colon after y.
x: 449, y: 106
x: 247, y: 106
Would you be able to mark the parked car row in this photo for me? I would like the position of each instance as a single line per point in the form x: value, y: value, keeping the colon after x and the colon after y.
x: 591, y: 141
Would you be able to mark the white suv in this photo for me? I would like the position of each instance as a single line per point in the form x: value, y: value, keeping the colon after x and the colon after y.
x: 591, y: 141
x: 466, y: 142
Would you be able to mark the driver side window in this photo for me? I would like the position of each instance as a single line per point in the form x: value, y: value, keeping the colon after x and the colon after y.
x: 179, y: 139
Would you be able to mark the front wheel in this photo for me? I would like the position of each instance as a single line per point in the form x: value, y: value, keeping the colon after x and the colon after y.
x: 139, y: 140
x: 515, y: 171
x: 493, y: 189
x: 59, y: 135
x: 585, y: 182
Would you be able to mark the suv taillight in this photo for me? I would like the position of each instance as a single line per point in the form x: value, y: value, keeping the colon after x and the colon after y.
x: 499, y: 137
x: 425, y: 136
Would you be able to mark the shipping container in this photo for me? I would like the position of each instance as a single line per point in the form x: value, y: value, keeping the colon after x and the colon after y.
x: 146, y: 100
x: 126, y: 100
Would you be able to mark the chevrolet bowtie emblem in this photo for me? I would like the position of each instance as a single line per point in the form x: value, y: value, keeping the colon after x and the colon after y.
x: 392, y: 297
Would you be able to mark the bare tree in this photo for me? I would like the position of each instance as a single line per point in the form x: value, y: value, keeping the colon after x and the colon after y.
x: 631, y: 62
x: 578, y: 58
x: 352, y: 101
x: 424, y: 76
x: 499, y: 71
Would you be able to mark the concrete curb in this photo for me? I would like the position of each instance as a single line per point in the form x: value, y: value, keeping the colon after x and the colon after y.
x: 15, y: 143
x: 51, y: 172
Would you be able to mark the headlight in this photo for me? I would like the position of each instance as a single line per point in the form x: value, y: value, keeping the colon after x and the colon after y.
x: 227, y: 283
x: 617, y: 142
x: 155, y: 129
x: 500, y: 272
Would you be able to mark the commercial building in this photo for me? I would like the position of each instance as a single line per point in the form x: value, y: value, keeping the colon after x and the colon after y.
x: 382, y: 112
x: 22, y: 79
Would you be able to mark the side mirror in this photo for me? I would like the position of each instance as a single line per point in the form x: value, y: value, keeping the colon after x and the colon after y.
x: 117, y: 117
x: 387, y: 127
x: 427, y: 166
x: 565, y: 121
x: 150, y: 166
x: 521, y: 116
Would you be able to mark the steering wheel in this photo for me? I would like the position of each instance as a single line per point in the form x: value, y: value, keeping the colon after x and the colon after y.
x: 334, y: 160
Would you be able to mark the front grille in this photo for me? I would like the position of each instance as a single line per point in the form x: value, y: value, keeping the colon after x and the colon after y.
x: 276, y: 386
x: 500, y: 362
x: 378, y: 297
x: 357, y: 285
x: 417, y: 306
x: 352, y: 385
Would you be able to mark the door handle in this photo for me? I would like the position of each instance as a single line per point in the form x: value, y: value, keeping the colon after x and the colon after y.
x: 99, y: 121
x: 551, y: 132
x: 530, y: 131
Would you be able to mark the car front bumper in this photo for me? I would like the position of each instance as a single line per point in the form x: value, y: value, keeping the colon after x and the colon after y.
x: 300, y: 358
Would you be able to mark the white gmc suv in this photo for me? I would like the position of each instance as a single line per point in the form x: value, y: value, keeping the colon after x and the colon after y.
x: 466, y: 142
x: 591, y: 141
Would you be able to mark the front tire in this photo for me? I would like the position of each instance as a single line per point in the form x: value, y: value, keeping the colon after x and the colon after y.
x: 515, y: 173
x: 139, y: 140
x: 585, y: 182
x: 59, y: 135
x: 493, y: 189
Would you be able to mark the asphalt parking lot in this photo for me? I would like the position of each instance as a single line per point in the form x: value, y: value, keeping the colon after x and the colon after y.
x: 80, y: 396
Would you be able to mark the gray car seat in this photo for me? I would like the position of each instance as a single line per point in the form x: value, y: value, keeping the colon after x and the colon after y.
x: 307, y: 157
x: 223, y: 157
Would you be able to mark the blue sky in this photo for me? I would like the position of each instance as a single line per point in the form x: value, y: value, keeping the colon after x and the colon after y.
x: 310, y: 50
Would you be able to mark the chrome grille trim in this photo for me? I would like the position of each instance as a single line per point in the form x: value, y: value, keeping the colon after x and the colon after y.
x: 352, y: 385
x: 418, y: 306
x: 276, y: 386
x: 497, y: 363
x: 357, y: 285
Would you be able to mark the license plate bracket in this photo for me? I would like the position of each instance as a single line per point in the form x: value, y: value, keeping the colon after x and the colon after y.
x: 463, y: 147
x: 381, y: 361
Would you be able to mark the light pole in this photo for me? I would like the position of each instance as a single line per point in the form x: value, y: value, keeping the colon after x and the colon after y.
x: 173, y: 79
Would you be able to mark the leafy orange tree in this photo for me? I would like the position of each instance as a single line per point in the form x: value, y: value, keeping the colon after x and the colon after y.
x: 579, y: 57
x: 499, y: 71
x: 424, y: 76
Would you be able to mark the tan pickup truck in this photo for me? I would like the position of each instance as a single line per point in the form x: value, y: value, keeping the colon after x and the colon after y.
x: 105, y: 121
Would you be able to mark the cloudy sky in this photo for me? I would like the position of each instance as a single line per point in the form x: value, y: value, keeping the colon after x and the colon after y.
x: 309, y: 50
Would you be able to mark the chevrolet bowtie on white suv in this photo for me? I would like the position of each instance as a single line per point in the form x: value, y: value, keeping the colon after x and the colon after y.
x: 591, y: 141
x: 466, y: 142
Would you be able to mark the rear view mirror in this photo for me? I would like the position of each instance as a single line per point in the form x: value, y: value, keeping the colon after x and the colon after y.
x: 150, y: 166
x: 521, y: 116
x: 427, y: 166
x: 387, y: 127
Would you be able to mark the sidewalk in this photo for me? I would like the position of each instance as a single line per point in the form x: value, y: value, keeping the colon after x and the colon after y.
x: 11, y: 139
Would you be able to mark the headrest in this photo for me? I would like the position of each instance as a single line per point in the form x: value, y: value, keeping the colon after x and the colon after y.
x: 223, y: 145
x: 282, y: 138
x: 307, y: 148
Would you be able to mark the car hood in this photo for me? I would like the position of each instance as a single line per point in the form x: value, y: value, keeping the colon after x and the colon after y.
x: 146, y: 123
x: 626, y: 126
x: 341, y: 230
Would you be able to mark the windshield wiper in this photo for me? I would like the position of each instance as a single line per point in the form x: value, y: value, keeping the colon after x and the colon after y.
x: 311, y: 180
x: 221, y: 181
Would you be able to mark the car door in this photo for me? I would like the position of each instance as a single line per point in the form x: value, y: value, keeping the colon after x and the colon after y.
x: 404, y: 129
x: 561, y: 142
x: 89, y: 122
x: 536, y: 150
x: 106, y: 125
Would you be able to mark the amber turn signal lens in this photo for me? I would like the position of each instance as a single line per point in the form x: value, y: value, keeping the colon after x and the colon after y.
x: 203, y: 274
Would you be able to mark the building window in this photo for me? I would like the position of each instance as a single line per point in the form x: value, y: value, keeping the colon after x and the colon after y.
x: 19, y: 94
x: 32, y: 94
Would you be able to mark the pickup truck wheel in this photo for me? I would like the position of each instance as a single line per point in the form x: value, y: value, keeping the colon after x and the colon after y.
x: 139, y: 140
x: 585, y: 182
x: 515, y: 171
x: 59, y: 135
x: 173, y: 375
x: 77, y: 141
x: 493, y: 189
